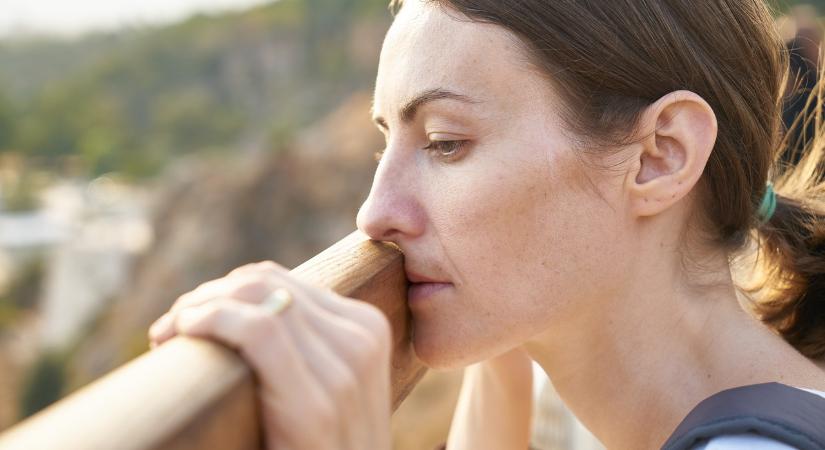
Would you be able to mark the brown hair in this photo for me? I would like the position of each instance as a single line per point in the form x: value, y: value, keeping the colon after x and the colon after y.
x: 613, y: 58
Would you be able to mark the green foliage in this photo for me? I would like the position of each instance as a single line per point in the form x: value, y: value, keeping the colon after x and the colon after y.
x: 204, y: 85
x: 21, y: 185
x: 21, y: 195
x: 29, y: 65
x: 43, y: 384
x: 9, y: 315
x: 7, y: 126
x: 783, y: 5
x: 132, y: 101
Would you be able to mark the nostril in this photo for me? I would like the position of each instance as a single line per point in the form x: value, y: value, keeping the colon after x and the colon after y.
x: 367, y: 223
x: 386, y: 235
x: 390, y: 211
x: 376, y: 231
x: 376, y: 225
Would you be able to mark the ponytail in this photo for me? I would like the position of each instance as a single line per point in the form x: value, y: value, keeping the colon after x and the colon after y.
x: 788, y: 285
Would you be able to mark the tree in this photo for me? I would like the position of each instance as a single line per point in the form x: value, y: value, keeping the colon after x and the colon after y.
x: 44, y: 384
x: 7, y: 124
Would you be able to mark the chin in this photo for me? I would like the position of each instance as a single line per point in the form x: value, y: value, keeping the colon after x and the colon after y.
x: 440, y: 351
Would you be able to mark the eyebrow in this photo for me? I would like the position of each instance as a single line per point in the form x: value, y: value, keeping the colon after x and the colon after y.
x: 410, y: 109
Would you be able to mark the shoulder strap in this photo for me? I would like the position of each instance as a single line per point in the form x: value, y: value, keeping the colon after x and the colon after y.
x: 786, y: 414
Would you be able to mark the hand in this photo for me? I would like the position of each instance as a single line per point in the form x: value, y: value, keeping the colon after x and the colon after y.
x: 322, y: 364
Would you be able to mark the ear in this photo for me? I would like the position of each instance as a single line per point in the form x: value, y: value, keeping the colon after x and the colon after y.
x: 679, y: 132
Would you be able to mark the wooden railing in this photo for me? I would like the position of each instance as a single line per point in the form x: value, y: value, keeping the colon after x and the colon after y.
x: 195, y: 394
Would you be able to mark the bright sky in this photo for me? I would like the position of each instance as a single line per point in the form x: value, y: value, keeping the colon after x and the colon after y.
x: 76, y: 16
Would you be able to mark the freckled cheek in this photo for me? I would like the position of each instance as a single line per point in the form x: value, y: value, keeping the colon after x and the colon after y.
x: 491, y: 223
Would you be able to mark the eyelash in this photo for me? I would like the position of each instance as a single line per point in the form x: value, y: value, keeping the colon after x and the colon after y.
x: 453, y: 148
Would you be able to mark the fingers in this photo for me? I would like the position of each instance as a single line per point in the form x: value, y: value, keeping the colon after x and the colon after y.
x: 328, y: 367
x: 243, y: 286
x: 323, y: 363
x: 243, y: 283
x: 338, y: 340
x: 258, y: 266
x: 330, y: 305
x: 325, y: 306
x: 253, y: 282
x: 237, y: 324
x: 271, y: 344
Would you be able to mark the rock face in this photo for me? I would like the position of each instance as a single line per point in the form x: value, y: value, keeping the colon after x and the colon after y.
x: 211, y: 216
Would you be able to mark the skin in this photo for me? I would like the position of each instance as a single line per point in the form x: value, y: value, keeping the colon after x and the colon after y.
x: 543, y: 254
x: 582, y: 266
x: 321, y: 364
x: 495, y: 404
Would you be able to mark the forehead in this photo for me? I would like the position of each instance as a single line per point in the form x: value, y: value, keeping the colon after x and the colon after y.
x: 431, y: 46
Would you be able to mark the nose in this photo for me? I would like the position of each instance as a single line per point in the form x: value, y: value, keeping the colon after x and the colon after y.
x: 391, y: 212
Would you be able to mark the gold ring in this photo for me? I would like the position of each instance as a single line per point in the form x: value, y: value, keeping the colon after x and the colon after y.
x: 277, y: 301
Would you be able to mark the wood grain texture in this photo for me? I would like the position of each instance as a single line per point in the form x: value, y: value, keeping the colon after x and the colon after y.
x: 194, y: 394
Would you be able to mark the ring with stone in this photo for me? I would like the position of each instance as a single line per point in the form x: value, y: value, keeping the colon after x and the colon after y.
x: 277, y: 301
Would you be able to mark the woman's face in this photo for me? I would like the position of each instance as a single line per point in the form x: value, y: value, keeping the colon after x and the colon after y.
x: 500, y: 206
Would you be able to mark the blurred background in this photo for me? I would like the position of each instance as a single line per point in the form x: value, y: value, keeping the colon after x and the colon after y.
x: 148, y: 146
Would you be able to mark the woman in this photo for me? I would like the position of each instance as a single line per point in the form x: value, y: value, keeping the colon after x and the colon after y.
x: 569, y: 180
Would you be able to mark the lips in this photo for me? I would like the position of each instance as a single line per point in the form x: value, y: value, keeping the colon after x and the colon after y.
x: 423, y: 287
x: 419, y: 292
x: 415, y: 277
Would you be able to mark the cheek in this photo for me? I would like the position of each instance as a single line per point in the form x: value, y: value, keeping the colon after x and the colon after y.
x: 525, y: 241
x: 507, y: 214
x: 487, y: 223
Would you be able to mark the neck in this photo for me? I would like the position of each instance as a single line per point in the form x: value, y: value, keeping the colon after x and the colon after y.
x: 659, y: 347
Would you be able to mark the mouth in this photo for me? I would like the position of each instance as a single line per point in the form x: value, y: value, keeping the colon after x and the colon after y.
x: 417, y: 278
x: 419, y: 292
x: 423, y: 287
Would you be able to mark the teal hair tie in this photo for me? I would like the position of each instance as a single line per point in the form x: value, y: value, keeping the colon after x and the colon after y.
x: 768, y: 206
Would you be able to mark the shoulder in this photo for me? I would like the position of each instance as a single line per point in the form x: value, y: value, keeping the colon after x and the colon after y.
x: 745, y: 441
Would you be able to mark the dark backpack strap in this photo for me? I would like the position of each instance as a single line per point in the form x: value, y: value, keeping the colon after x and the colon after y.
x: 789, y: 415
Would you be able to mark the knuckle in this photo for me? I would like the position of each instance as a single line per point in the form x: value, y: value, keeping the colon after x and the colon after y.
x: 211, y: 312
x: 364, y: 355
x: 371, y: 318
x: 202, y: 287
x: 193, y: 296
x: 343, y: 384
x: 265, y: 266
x: 377, y: 323
x: 183, y: 300
x: 268, y: 265
x: 195, y: 317
x: 325, y: 413
x: 256, y: 285
x: 256, y: 267
x: 257, y: 327
x: 241, y: 269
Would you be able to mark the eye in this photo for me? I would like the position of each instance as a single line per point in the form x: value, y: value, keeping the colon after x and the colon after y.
x: 447, y: 150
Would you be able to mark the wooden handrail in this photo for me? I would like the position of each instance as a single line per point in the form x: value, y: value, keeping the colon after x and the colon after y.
x: 195, y: 394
